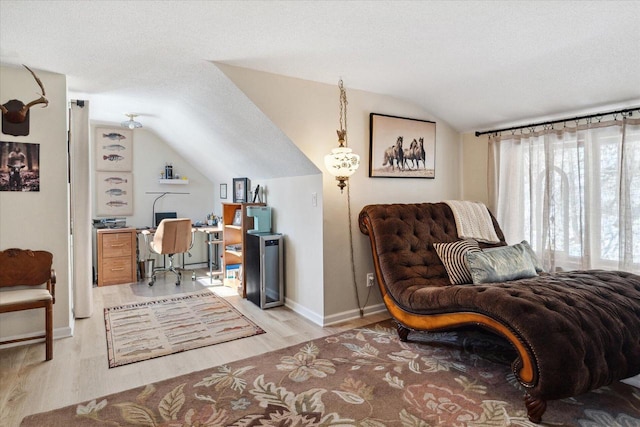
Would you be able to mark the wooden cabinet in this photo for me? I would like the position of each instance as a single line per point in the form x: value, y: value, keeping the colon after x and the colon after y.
x: 234, y: 236
x: 116, y: 256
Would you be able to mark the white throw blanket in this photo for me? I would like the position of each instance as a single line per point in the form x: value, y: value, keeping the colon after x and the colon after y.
x: 473, y: 221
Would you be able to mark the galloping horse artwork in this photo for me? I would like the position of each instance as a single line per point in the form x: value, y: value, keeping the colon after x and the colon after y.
x: 414, y: 154
x: 389, y: 154
x: 394, y: 154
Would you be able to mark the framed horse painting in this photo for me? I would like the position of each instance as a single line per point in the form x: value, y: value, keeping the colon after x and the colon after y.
x: 400, y: 147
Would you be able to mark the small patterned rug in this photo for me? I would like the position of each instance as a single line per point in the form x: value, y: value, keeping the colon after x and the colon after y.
x: 168, y: 325
x: 365, y: 377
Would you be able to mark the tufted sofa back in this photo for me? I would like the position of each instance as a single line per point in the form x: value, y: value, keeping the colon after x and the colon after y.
x: 402, y: 237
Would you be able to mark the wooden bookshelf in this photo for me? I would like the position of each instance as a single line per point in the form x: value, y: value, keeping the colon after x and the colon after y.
x: 234, y: 235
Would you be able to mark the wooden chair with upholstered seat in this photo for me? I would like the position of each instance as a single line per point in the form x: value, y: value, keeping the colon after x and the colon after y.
x: 173, y: 236
x: 22, y: 276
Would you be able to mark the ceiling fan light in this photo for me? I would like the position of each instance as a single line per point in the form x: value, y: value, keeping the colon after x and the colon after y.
x: 131, y: 124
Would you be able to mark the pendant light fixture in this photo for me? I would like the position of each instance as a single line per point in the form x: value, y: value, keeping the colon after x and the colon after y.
x: 131, y: 123
x: 341, y: 162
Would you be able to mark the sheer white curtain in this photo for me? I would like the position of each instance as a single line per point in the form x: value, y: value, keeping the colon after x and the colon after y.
x: 79, y: 149
x: 573, y: 193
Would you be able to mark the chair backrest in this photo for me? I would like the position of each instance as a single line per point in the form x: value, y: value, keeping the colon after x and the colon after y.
x: 24, y: 267
x: 173, y: 236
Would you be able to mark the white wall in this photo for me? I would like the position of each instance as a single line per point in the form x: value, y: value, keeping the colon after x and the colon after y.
x: 307, y: 112
x: 150, y: 153
x: 40, y: 220
x: 295, y: 216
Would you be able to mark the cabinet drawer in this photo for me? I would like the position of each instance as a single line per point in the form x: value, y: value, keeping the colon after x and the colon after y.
x: 116, y: 245
x: 116, y: 270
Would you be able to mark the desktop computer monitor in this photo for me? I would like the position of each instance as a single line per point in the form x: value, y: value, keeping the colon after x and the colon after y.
x: 162, y: 215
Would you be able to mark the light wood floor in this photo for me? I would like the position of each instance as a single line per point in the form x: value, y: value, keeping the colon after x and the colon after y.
x: 79, y: 370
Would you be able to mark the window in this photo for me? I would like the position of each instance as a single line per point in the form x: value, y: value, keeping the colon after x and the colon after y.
x: 573, y: 193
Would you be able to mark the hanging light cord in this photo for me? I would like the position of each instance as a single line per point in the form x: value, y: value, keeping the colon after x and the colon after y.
x: 343, y: 114
x: 353, y: 264
x: 343, y: 119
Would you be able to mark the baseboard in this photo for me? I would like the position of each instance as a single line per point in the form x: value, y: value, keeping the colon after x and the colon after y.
x: 353, y: 314
x: 334, y: 318
x: 65, y: 332
x: 303, y: 311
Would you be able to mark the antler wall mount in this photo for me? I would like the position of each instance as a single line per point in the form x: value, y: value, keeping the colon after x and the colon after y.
x: 15, y: 113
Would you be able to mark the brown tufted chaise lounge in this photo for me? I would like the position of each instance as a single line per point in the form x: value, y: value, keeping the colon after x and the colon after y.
x: 573, y: 331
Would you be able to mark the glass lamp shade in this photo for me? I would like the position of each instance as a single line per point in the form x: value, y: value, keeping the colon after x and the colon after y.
x: 131, y: 124
x: 342, y: 163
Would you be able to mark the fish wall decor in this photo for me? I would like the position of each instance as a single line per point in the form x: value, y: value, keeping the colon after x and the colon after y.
x: 113, y: 149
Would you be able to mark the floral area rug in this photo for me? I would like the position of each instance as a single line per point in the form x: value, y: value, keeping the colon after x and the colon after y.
x: 363, y: 377
x: 149, y: 329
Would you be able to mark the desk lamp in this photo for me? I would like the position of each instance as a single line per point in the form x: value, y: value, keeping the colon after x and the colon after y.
x: 161, y: 195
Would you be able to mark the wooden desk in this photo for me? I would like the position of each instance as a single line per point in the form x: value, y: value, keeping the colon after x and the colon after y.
x: 116, y: 256
x: 214, y: 240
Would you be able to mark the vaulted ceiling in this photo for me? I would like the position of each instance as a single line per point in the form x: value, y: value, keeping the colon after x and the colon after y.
x: 473, y: 64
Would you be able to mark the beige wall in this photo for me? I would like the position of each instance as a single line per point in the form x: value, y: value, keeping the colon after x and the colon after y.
x: 474, y: 168
x: 307, y: 112
x: 39, y: 220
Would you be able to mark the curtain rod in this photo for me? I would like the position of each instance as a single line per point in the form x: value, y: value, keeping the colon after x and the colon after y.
x: 590, y: 116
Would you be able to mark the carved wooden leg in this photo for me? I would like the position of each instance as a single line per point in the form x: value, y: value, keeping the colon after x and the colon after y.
x: 403, y: 332
x: 535, y: 407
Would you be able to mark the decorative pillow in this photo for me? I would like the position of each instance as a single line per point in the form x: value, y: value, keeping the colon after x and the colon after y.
x: 500, y: 264
x: 536, y: 263
x: 452, y: 256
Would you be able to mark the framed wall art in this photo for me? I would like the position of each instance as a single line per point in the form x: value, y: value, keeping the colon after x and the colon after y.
x: 114, y: 149
x: 223, y: 191
x: 401, y: 147
x: 240, y: 188
x: 237, y: 217
x: 114, y: 194
x: 19, y: 166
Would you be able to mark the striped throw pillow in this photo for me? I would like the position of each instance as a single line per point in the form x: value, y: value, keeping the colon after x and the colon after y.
x: 452, y: 256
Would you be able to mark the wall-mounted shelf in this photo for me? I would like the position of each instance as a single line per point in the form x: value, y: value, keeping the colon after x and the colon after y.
x: 173, y: 181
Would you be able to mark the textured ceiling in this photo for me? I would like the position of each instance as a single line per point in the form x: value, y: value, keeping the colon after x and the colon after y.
x: 475, y: 65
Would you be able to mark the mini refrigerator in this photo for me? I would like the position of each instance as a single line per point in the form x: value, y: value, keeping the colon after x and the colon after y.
x: 264, y: 275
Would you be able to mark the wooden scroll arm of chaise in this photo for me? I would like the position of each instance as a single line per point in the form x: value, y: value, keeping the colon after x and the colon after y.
x: 524, y: 367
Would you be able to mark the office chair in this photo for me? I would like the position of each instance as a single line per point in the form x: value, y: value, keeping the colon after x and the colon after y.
x: 173, y: 236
